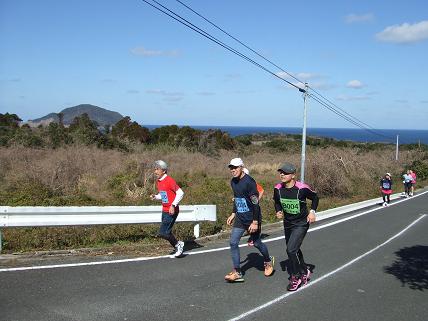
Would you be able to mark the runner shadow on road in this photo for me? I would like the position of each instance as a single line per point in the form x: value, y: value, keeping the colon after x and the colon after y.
x: 191, y: 244
x: 253, y: 260
x: 411, y: 267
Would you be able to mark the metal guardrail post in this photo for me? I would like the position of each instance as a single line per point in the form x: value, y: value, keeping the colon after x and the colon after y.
x: 0, y: 240
x: 196, y: 230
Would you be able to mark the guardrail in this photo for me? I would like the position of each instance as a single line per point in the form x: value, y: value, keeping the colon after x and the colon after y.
x: 26, y: 216
x: 353, y: 207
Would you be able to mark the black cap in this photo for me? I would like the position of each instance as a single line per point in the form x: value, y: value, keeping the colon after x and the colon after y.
x: 287, y: 168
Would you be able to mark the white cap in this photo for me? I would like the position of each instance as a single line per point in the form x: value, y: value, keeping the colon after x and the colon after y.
x: 246, y: 171
x: 236, y: 162
x: 388, y: 174
x: 161, y: 164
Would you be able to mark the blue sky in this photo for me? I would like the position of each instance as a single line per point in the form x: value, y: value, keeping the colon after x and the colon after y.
x: 367, y: 57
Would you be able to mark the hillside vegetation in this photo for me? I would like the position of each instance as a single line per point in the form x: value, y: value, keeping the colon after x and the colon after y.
x: 79, y: 165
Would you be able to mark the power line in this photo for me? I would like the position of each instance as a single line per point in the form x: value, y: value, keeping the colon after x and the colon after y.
x: 272, y: 63
x: 337, y: 110
x: 234, y: 38
x: 214, y: 39
x: 347, y: 117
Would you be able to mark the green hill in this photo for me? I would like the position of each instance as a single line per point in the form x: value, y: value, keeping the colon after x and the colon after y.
x: 100, y: 115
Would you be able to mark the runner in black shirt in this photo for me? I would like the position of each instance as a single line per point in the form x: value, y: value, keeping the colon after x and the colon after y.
x: 290, y: 204
x: 386, y: 189
x: 246, y: 216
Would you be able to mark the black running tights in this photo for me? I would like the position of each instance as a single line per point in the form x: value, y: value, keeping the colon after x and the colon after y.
x: 294, y: 235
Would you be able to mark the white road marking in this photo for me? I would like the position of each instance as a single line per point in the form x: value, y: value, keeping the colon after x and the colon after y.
x: 139, y: 259
x: 282, y: 297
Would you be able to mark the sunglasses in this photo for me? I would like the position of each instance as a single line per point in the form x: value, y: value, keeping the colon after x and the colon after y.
x: 233, y: 167
x: 284, y: 173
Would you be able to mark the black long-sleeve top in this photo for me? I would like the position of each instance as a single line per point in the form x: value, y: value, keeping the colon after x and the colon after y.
x: 292, y: 201
x: 246, y: 199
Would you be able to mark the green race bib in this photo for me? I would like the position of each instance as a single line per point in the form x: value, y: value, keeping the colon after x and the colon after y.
x: 290, y: 206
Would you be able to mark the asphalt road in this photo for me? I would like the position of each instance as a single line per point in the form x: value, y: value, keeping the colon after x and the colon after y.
x: 370, y: 267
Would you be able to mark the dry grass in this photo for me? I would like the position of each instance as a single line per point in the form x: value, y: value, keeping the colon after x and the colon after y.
x: 89, y: 176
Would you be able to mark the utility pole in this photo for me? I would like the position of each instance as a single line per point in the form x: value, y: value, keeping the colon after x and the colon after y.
x: 396, y: 150
x: 302, y: 163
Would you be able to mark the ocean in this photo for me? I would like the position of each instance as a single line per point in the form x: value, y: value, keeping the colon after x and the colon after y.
x: 405, y: 136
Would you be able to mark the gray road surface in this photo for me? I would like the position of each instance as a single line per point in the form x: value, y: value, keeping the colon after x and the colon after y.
x: 388, y: 283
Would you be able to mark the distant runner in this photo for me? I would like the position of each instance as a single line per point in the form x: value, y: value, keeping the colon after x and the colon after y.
x: 170, y: 194
x: 290, y: 204
x: 386, y: 189
x: 246, y: 216
x: 412, y: 189
x: 407, y: 181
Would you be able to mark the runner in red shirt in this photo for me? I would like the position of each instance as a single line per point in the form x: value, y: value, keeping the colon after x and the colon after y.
x: 170, y: 194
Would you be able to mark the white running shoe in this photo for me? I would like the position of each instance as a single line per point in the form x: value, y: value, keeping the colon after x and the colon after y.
x: 384, y: 204
x: 179, y: 249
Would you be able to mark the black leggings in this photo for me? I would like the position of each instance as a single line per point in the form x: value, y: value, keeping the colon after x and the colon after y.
x: 407, y: 187
x: 294, y: 235
x: 386, y: 198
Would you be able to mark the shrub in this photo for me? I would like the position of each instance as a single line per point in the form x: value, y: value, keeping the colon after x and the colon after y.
x: 420, y: 168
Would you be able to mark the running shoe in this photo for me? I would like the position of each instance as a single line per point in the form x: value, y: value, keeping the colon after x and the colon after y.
x: 384, y: 204
x: 294, y: 283
x: 234, y: 276
x: 269, y: 266
x: 306, y: 277
x: 179, y: 247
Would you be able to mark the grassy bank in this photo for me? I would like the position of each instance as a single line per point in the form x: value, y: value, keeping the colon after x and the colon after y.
x: 84, y: 175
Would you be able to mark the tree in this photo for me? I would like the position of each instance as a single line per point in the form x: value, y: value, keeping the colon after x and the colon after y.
x: 84, y: 131
x: 57, y: 135
x: 9, y: 124
x: 9, y: 120
x: 126, y: 129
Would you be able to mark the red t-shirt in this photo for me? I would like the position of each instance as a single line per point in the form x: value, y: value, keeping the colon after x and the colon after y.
x: 167, y: 189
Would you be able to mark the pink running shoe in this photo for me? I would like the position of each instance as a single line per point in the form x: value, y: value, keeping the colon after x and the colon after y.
x: 294, y: 283
x: 306, y: 277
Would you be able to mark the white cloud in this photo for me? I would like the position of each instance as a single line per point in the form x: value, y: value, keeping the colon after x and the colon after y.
x: 356, y: 84
x: 244, y: 92
x: 303, y: 76
x: 229, y: 77
x: 355, y: 18
x: 164, y: 93
x: 315, y: 85
x: 321, y: 85
x: 405, y: 33
x: 167, y: 96
x: 205, y: 93
x: 352, y: 98
x: 141, y: 51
